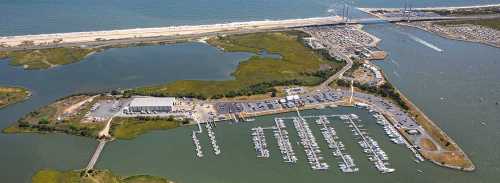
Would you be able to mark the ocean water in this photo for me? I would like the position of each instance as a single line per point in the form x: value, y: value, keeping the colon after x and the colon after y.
x: 51, y: 16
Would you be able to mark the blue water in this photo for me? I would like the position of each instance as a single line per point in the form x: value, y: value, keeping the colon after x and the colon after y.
x: 50, y: 16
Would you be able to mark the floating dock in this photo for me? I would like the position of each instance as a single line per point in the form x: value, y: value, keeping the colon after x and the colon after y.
x: 329, y: 134
x: 284, y: 142
x: 370, y: 146
x: 213, y: 141
x: 259, y: 141
x: 309, y: 143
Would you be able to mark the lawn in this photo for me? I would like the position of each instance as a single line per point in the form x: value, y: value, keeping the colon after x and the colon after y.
x: 46, y: 58
x: 130, y: 128
x: 298, y: 65
x: 12, y: 95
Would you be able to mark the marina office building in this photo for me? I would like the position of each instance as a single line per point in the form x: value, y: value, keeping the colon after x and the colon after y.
x: 157, y: 104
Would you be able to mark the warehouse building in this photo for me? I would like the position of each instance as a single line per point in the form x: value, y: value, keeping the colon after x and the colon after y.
x: 152, y: 104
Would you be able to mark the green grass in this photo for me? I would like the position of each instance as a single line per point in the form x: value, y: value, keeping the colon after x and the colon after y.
x: 95, y: 176
x: 12, y: 95
x: 256, y: 75
x: 491, y: 23
x: 130, y: 128
x: 46, y: 58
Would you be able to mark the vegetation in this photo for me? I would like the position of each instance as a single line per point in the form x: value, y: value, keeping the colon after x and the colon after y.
x: 92, y: 176
x: 468, y: 11
x: 46, y: 58
x: 130, y: 128
x: 298, y: 65
x: 12, y: 95
x: 54, y: 118
x: 385, y: 90
x: 491, y: 23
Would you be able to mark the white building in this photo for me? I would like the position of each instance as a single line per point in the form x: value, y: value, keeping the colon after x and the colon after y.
x: 158, y: 104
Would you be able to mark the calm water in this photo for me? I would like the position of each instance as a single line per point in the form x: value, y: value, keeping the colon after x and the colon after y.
x: 457, y: 88
x: 49, y: 16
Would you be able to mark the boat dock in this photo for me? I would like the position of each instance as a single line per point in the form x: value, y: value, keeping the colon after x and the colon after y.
x: 329, y: 133
x: 196, y: 141
x: 197, y: 145
x: 259, y: 141
x: 284, y: 142
x: 370, y: 146
x: 211, y: 135
x: 309, y: 143
x: 393, y: 133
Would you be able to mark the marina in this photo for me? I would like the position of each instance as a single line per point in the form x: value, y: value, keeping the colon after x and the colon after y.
x: 213, y: 141
x: 196, y: 141
x: 370, y: 146
x: 284, y: 142
x: 259, y: 141
x: 329, y: 133
x: 308, y: 141
x: 392, y: 132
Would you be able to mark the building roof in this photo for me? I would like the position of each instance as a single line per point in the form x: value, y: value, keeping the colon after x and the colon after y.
x: 152, y: 101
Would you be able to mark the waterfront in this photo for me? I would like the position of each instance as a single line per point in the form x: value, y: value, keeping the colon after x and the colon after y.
x: 423, y: 74
x: 43, y: 16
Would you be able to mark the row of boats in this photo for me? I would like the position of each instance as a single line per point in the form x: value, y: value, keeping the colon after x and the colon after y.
x: 197, y: 145
x: 284, y: 144
x: 395, y: 136
x: 389, y: 130
x: 370, y: 146
x: 330, y: 136
x: 310, y: 145
x: 259, y: 141
x: 213, y: 141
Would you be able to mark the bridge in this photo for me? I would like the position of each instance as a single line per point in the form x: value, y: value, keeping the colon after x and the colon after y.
x: 174, y: 33
x: 96, y: 154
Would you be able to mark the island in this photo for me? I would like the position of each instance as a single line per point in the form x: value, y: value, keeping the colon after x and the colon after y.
x: 12, y: 95
x: 91, y: 176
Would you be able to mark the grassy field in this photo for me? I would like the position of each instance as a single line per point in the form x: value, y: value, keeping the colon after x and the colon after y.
x: 95, y: 176
x: 12, y: 95
x: 491, y: 23
x: 257, y: 75
x: 130, y: 128
x: 46, y: 58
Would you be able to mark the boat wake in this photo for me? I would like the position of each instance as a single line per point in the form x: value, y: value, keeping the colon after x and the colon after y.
x: 394, y: 62
x: 425, y: 43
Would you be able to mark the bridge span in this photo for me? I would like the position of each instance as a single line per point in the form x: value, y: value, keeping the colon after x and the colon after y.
x: 146, y: 35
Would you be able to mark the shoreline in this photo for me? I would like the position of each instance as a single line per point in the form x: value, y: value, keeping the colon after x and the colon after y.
x: 26, y: 91
x: 447, y: 36
x: 411, y: 112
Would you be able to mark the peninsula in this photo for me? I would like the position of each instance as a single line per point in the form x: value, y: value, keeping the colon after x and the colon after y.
x: 12, y: 95
x: 323, y: 60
